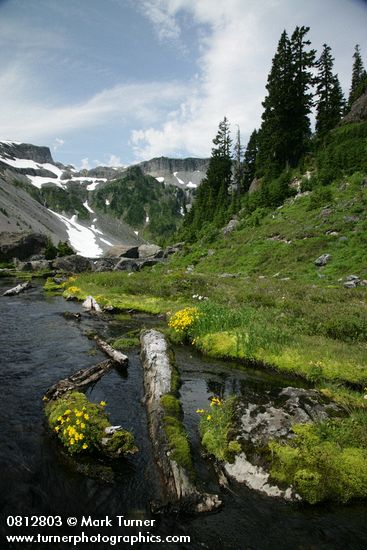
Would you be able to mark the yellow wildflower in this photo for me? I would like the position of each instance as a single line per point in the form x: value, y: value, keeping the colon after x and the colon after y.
x: 103, y: 403
x: 86, y: 416
x: 209, y: 417
x: 85, y: 446
x: 82, y: 425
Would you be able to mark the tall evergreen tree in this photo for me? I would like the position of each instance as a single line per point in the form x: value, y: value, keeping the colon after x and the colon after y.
x: 249, y: 161
x: 212, y: 200
x: 301, y: 100
x: 285, y: 130
x: 274, y: 136
x: 359, y: 77
x: 330, y: 104
x: 238, y: 164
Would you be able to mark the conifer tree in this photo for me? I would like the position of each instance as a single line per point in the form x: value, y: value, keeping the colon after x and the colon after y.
x: 249, y: 161
x: 238, y: 168
x: 359, y: 77
x: 330, y: 104
x: 285, y: 130
x: 301, y: 99
x: 212, y: 200
x: 273, y: 135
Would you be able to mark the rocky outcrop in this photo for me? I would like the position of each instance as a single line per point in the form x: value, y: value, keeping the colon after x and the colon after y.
x: 72, y: 264
x: 120, y: 250
x: 181, y: 492
x: 231, y: 226
x: 26, y: 151
x: 34, y: 265
x: 358, y: 112
x: 164, y: 164
x: 258, y: 424
x: 352, y: 281
x: 150, y: 251
x: 21, y: 245
x: 322, y: 260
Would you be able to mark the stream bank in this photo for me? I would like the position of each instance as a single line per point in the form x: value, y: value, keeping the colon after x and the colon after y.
x: 39, y: 346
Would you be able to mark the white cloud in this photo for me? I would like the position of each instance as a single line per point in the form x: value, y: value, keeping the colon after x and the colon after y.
x: 162, y: 18
x: 25, y: 116
x: 238, y: 41
x: 114, y: 161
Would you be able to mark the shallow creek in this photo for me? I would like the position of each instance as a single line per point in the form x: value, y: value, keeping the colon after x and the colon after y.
x: 38, y: 347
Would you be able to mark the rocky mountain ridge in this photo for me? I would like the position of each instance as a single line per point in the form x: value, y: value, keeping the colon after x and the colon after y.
x: 38, y: 194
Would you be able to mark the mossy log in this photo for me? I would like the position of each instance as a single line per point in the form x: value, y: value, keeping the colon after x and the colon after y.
x: 180, y: 491
x: 79, y: 380
x: 17, y: 289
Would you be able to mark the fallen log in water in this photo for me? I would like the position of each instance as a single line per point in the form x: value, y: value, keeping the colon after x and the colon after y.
x: 78, y: 381
x: 115, y: 355
x: 181, y: 492
x: 17, y: 289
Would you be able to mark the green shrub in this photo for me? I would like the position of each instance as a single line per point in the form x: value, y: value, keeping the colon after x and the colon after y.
x: 50, y: 250
x: 216, y: 427
x: 80, y: 425
x: 64, y: 249
x: 319, y: 197
x: 326, y: 460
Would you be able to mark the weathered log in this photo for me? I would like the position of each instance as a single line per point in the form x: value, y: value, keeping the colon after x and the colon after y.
x: 17, y: 289
x: 113, y: 354
x: 181, y: 493
x: 78, y: 381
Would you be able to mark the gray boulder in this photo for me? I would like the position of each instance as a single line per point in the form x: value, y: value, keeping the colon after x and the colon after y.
x: 120, y: 250
x: 150, y: 250
x: 21, y: 245
x: 322, y: 260
x: 34, y: 265
x: 127, y: 264
x: 104, y: 264
x: 72, y: 264
x: 231, y: 226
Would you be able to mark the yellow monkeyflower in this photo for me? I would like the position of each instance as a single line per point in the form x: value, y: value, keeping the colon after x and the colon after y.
x: 200, y: 411
x: 68, y: 411
x: 82, y: 425
x: 183, y: 319
x: 209, y: 417
x: 86, y: 416
x: 85, y: 446
x: 72, y: 441
x: 57, y: 428
x: 103, y: 403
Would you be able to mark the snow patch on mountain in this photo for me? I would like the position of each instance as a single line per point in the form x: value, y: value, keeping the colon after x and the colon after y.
x: 86, y: 205
x: 81, y: 238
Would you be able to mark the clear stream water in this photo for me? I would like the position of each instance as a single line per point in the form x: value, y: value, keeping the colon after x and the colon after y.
x: 38, y: 347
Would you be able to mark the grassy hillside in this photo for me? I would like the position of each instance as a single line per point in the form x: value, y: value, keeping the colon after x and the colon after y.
x: 255, y: 295
x: 267, y: 300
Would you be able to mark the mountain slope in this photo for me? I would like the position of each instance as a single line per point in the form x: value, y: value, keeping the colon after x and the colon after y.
x: 95, y: 208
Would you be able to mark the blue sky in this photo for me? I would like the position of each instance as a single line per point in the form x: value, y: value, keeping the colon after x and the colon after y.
x: 118, y: 81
